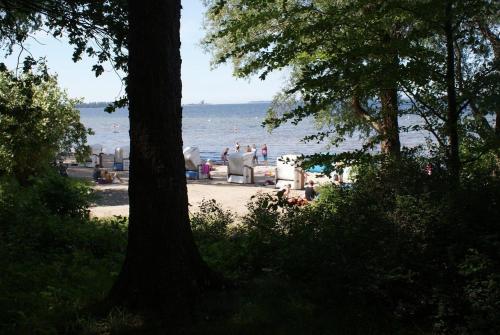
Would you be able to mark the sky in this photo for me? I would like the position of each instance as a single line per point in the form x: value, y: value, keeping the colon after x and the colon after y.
x: 199, y: 80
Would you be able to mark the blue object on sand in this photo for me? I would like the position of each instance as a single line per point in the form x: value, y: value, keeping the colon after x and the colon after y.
x: 118, y: 166
x: 317, y: 169
x: 191, y: 175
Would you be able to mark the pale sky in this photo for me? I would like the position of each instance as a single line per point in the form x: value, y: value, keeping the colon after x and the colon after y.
x: 198, y: 80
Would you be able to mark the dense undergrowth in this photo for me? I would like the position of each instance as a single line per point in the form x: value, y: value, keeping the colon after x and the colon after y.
x: 54, y: 261
x: 395, y: 253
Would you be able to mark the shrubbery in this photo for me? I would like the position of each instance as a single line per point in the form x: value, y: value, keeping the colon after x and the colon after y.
x: 394, y: 250
x: 54, y: 260
x: 37, y: 122
x: 391, y: 253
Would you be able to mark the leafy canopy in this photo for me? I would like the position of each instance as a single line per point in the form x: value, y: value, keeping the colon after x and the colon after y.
x: 97, y: 29
x: 37, y: 121
x: 343, y: 55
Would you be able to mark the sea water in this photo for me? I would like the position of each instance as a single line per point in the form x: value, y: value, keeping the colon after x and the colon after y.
x: 214, y: 127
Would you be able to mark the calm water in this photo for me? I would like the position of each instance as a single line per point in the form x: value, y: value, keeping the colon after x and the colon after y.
x: 214, y: 127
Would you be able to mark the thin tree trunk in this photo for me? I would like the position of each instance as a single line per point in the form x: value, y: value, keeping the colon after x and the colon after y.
x: 163, y: 271
x: 391, y: 144
x: 452, y: 114
x: 495, y: 44
x: 364, y: 116
x: 497, y: 124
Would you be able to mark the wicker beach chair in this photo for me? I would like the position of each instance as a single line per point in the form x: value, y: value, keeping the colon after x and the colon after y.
x: 288, y: 171
x: 240, y: 169
x: 192, y: 162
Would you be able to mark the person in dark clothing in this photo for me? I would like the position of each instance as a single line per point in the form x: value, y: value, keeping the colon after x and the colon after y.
x: 97, y: 174
x: 224, y: 155
x: 310, y: 193
x: 62, y: 168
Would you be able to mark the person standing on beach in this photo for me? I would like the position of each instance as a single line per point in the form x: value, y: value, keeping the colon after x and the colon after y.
x: 264, y: 153
x: 249, y: 149
x: 237, y: 148
x: 97, y: 173
x: 255, y: 158
x: 223, y: 157
x: 206, y: 168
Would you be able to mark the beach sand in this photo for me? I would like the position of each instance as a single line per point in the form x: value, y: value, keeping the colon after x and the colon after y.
x: 113, y: 198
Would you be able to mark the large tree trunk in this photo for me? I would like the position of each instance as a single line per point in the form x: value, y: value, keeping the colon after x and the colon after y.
x: 163, y: 271
x: 452, y: 114
x: 391, y: 144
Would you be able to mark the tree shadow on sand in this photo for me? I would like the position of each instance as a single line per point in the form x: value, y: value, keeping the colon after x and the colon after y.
x: 111, y: 197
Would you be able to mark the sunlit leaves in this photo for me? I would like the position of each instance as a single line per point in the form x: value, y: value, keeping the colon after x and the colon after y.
x: 95, y: 28
x: 37, y: 121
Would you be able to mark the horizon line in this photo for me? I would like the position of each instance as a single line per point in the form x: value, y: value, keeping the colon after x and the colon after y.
x: 186, y: 104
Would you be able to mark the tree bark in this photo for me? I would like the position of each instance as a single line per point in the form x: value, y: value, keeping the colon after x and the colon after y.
x: 497, y: 124
x: 452, y: 110
x: 388, y: 128
x: 494, y: 41
x: 391, y: 144
x: 388, y: 95
x: 163, y: 271
x: 362, y: 114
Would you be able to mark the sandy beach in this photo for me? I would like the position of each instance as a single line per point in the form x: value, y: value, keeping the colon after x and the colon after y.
x: 113, y: 198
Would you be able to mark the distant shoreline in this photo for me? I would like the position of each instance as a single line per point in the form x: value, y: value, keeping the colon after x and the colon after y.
x: 102, y: 104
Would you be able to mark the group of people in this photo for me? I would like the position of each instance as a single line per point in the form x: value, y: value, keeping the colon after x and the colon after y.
x: 253, y: 148
x: 309, y: 194
x: 103, y: 176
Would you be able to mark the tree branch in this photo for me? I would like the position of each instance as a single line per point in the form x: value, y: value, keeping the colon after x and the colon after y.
x: 363, y: 114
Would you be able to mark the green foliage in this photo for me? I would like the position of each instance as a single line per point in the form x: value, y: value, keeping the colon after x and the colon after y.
x: 97, y: 29
x: 338, y: 51
x: 213, y: 229
x: 392, y: 251
x: 54, y: 260
x: 481, y: 291
x: 387, y: 254
x: 63, y: 196
x: 37, y: 121
x: 211, y: 222
x: 355, y: 66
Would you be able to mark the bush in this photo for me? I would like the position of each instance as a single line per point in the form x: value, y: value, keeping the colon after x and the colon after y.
x: 397, y: 248
x: 54, y: 260
x: 63, y: 196
x: 37, y: 121
x: 213, y: 230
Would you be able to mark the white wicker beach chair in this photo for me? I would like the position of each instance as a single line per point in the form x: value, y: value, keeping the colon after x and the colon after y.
x: 239, y: 168
x: 288, y: 171
x: 192, y: 158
